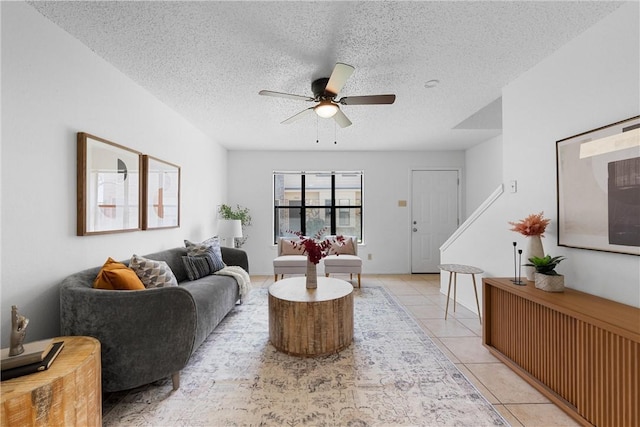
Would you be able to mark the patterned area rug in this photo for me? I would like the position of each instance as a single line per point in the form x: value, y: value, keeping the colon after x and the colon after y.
x: 392, y: 375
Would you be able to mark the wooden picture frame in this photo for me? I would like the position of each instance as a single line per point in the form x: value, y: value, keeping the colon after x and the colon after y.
x: 160, y: 194
x: 598, y: 183
x: 108, y: 186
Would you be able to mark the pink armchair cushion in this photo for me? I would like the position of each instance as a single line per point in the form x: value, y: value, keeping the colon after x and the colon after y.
x: 347, y: 247
x: 290, y: 261
x: 342, y: 261
x: 287, y: 248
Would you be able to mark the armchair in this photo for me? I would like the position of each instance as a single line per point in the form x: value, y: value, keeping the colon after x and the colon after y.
x: 346, y: 259
x: 290, y: 260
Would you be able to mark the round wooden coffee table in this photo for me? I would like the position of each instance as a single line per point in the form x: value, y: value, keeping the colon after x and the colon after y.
x: 310, y: 322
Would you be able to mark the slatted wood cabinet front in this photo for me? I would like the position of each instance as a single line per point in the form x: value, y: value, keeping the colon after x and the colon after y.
x: 581, y: 351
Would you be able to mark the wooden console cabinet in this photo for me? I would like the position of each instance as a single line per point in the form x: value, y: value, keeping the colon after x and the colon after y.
x: 579, y: 350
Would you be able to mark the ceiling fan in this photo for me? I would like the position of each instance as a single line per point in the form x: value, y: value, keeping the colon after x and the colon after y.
x: 325, y: 92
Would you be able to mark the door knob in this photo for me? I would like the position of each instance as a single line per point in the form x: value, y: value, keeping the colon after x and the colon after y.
x: 415, y: 229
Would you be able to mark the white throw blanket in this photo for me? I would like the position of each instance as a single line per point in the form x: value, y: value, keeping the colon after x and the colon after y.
x: 241, y: 276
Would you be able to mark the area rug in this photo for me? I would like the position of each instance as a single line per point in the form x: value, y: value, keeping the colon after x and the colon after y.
x: 392, y: 375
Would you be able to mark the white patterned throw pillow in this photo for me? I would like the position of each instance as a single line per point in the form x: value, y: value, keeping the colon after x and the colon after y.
x: 152, y: 273
x: 202, y: 249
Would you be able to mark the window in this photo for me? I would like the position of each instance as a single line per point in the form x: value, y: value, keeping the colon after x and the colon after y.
x: 310, y: 201
x: 344, y: 217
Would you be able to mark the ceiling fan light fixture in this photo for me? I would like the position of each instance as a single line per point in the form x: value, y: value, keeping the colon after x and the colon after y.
x: 326, y: 109
x: 325, y: 91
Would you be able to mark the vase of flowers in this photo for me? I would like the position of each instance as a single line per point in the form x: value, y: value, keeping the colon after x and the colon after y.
x: 315, y: 248
x: 533, y: 228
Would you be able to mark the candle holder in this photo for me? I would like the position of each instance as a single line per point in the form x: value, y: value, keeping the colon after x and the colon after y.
x: 515, y: 264
x: 519, y: 281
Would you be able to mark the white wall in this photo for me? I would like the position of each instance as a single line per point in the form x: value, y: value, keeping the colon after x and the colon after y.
x: 483, y: 172
x: 52, y: 87
x: 386, y: 181
x: 590, y: 82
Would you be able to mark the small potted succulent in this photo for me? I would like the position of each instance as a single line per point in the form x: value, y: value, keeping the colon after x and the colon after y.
x: 546, y: 277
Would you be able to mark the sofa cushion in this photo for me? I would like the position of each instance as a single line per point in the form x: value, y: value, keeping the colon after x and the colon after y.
x: 202, y: 265
x: 214, y: 297
x: 152, y: 273
x: 197, y: 249
x: 173, y: 258
x: 196, y: 266
x: 116, y: 276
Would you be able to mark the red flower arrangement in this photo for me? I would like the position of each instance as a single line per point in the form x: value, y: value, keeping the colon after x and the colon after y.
x: 315, y: 247
x: 533, y: 225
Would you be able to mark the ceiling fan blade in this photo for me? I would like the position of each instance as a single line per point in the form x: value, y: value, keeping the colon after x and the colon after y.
x: 341, y: 72
x: 341, y: 119
x: 285, y: 95
x: 368, y: 99
x: 298, y: 116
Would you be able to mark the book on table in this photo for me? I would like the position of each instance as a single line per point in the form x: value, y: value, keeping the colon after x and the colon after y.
x: 33, y: 352
x: 31, y: 368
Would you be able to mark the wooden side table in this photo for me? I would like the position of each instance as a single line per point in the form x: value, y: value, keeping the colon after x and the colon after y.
x: 69, y: 393
x: 453, y: 270
x: 310, y: 322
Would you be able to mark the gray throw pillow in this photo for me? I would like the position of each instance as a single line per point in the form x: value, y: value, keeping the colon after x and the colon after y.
x: 202, y: 265
x: 152, y: 273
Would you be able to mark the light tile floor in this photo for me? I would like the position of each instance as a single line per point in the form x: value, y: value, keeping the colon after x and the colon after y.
x: 460, y: 338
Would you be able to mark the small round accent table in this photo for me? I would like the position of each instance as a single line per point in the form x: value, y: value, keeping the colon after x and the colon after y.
x: 310, y: 322
x: 453, y: 270
x: 69, y: 393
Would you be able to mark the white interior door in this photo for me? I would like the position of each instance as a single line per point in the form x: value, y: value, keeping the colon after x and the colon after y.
x: 434, y: 216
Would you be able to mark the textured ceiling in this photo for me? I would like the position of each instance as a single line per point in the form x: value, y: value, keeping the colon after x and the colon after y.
x: 208, y: 60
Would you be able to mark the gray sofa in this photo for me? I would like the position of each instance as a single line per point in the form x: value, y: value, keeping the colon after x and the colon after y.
x: 149, y: 334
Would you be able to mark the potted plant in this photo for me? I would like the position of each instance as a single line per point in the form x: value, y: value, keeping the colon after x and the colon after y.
x: 227, y: 212
x: 546, y: 277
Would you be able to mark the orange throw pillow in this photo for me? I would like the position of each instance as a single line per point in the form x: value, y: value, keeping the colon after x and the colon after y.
x: 117, y: 276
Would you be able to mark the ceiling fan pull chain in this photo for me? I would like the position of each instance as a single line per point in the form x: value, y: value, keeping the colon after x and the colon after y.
x: 317, y: 138
x: 335, y: 134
